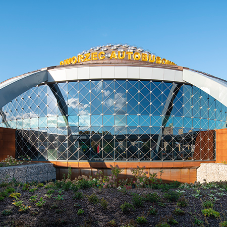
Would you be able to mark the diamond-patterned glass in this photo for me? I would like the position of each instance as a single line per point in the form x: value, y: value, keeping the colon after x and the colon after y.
x: 108, y: 120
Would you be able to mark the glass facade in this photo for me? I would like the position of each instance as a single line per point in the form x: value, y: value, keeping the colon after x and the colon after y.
x: 115, y: 120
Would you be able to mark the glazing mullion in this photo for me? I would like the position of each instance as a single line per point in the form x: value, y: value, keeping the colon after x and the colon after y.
x: 102, y: 142
x: 114, y: 139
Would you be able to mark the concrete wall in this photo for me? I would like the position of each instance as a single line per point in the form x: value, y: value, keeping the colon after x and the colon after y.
x: 209, y: 172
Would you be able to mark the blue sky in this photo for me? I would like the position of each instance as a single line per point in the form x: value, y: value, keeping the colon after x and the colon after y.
x: 37, y: 34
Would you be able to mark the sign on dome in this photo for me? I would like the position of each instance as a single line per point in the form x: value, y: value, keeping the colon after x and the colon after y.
x: 128, y: 55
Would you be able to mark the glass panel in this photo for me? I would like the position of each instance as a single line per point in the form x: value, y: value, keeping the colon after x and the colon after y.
x: 73, y: 120
x: 108, y: 120
x: 96, y: 120
x: 115, y: 120
x: 84, y: 120
x: 132, y: 120
x: 120, y: 120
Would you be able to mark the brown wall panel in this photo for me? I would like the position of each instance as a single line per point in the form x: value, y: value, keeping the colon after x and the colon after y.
x: 221, y: 145
x: 184, y: 175
x: 7, y: 143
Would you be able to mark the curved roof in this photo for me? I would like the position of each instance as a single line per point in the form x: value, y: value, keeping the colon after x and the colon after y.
x: 113, y: 69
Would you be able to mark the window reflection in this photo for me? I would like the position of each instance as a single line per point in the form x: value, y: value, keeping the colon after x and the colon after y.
x: 115, y: 120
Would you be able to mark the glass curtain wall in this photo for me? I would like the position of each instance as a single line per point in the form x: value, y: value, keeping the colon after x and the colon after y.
x: 120, y: 120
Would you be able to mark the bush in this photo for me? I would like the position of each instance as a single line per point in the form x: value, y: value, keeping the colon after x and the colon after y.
x: 66, y: 186
x: 10, y: 190
x: 59, y: 184
x: 80, y: 211
x: 210, y: 212
x: 141, y: 220
x: 172, y: 196
x: 6, y: 212
x: 25, y: 187
x: 111, y: 223
x: 152, y: 211
x: 126, y: 207
x: 208, y: 204
x: 137, y: 200
x: 40, y: 185
x: 172, y: 221
x: 104, y: 203
x: 84, y: 184
x: 78, y: 195
x: 178, y: 211
x: 223, y: 224
x: 197, y: 221
x: 50, y: 191
x: 152, y: 197
x: 93, y: 198
x: 182, y: 202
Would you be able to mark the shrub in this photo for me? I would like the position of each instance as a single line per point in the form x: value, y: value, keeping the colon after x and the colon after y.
x: 104, y: 203
x: 40, y: 185
x: 111, y: 223
x: 210, y: 212
x: 33, y: 198
x: 3, y: 194
x: 172, y: 196
x: 50, y: 185
x: 152, y: 197
x: 208, y: 204
x: 78, y: 195
x: 6, y: 212
x: 10, y: 190
x: 126, y: 207
x: 84, y: 184
x: 17, y: 203
x: 197, y: 221
x: 24, y: 208
x: 33, y: 189
x: 178, y: 211
x: 59, y: 197
x: 40, y: 202
x: 223, y: 224
x: 15, y: 195
x: 93, y: 198
x: 137, y: 200
x: 141, y: 220
x: 172, y: 221
x: 74, y: 187
x: 80, y: 211
x: 25, y: 187
x: 152, y: 211
x: 66, y: 186
x: 59, y: 184
x: 140, y: 175
x: 182, y: 202
x: 115, y: 170
x: 50, y: 191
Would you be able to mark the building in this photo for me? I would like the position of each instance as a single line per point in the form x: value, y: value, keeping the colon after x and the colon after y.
x: 115, y: 103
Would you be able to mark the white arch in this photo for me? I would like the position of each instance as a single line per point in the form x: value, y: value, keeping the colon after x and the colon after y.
x: 12, y: 88
x: 213, y: 86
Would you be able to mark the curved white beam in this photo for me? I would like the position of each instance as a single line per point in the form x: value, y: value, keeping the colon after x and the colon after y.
x: 212, y: 86
x: 12, y: 88
x: 114, y: 72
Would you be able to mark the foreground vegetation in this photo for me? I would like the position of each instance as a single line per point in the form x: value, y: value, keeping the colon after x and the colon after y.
x: 108, y: 201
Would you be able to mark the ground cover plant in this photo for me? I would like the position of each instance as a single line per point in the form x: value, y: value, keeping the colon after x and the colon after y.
x: 105, y: 201
x: 10, y: 161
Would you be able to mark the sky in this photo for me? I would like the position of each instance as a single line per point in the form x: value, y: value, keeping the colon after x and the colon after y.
x: 38, y: 34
